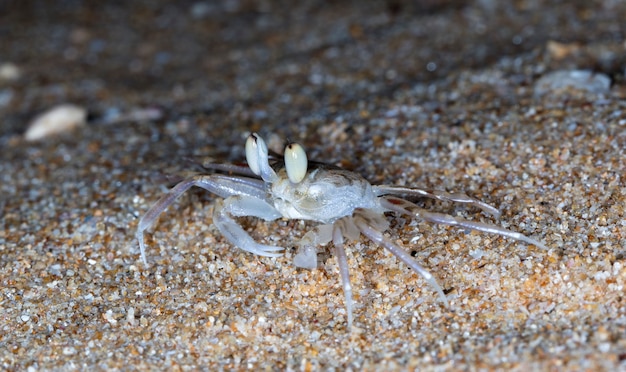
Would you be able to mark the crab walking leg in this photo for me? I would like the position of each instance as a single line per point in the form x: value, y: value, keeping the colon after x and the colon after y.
x: 242, y: 170
x: 240, y: 205
x: 342, y: 262
x: 378, y: 238
x: 306, y: 257
x: 406, y: 207
x: 223, y: 186
x: 438, y: 195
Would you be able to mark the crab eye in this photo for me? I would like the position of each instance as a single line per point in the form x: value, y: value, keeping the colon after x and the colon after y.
x: 252, y: 154
x: 295, y: 162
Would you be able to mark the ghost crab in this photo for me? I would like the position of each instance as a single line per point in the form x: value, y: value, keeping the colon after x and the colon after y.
x: 343, y: 202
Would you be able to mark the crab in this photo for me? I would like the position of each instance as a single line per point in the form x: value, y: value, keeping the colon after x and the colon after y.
x: 344, y: 204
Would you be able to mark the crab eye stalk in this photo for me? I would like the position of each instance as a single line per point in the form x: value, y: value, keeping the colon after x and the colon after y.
x: 252, y: 154
x: 258, y: 158
x: 295, y: 162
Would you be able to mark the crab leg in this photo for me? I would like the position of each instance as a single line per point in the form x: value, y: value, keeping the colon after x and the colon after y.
x: 342, y: 262
x: 306, y: 257
x: 242, y: 170
x: 221, y: 185
x: 378, y: 238
x: 238, y: 206
x: 406, y: 207
x: 436, y: 194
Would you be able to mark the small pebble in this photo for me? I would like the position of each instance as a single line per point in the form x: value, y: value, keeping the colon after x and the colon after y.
x: 59, y: 119
x: 9, y: 72
x: 130, y: 315
x: 109, y: 317
x: 584, y: 80
x: 69, y: 350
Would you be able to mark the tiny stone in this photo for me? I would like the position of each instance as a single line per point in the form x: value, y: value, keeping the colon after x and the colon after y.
x: 9, y: 72
x: 69, y: 350
x: 584, y: 80
x: 59, y: 119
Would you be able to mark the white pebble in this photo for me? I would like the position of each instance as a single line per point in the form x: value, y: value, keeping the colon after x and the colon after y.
x: 130, y: 315
x: 584, y: 80
x: 56, y: 120
x: 109, y: 317
x: 604, y: 347
x: 68, y: 350
x: 9, y: 72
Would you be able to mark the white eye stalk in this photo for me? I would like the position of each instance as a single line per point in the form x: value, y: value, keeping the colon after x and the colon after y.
x: 295, y: 162
x: 252, y: 154
x: 258, y: 158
